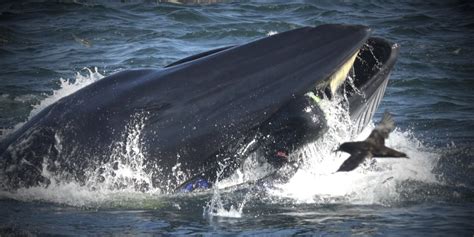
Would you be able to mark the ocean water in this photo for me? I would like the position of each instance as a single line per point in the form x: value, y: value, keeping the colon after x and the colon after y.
x: 51, y: 49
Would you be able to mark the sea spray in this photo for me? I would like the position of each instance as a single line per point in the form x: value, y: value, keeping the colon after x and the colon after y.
x: 66, y: 88
x: 123, y: 175
x: 227, y: 204
x: 375, y: 182
x: 125, y: 169
x: 122, y: 178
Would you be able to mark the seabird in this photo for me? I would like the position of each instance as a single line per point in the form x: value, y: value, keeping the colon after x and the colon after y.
x: 373, y: 146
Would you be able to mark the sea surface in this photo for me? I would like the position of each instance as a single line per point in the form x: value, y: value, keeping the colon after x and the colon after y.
x: 51, y: 49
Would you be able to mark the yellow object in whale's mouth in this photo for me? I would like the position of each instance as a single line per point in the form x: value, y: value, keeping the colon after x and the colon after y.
x: 335, y: 80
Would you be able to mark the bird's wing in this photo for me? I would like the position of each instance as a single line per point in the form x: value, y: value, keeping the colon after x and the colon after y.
x: 354, y: 160
x: 387, y: 152
x: 381, y: 131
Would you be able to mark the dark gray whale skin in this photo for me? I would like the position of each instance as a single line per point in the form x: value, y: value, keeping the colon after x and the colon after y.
x: 198, y: 112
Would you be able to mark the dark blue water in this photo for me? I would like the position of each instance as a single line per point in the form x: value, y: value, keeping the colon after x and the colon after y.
x: 46, y: 46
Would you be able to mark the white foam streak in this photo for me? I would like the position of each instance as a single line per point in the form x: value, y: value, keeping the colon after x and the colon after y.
x: 74, y: 194
x: 272, y: 32
x: 66, y: 88
x: 64, y: 193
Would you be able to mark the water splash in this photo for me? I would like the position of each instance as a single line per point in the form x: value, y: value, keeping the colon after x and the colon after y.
x: 66, y: 88
x: 123, y: 178
x: 220, y: 206
x: 224, y: 205
x: 125, y: 169
x: 270, y: 33
x: 375, y: 182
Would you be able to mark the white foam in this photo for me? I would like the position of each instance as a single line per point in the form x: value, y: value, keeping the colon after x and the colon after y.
x: 74, y: 194
x: 121, y: 181
x: 125, y: 180
x: 66, y: 88
x: 374, y: 182
x: 125, y: 169
x: 270, y: 33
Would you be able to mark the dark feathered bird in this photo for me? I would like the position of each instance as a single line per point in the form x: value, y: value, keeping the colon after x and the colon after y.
x: 373, y: 146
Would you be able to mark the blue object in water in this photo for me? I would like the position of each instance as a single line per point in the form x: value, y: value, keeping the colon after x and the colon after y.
x: 199, y: 183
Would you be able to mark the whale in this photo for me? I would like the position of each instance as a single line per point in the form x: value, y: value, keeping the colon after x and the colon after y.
x: 198, y: 118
